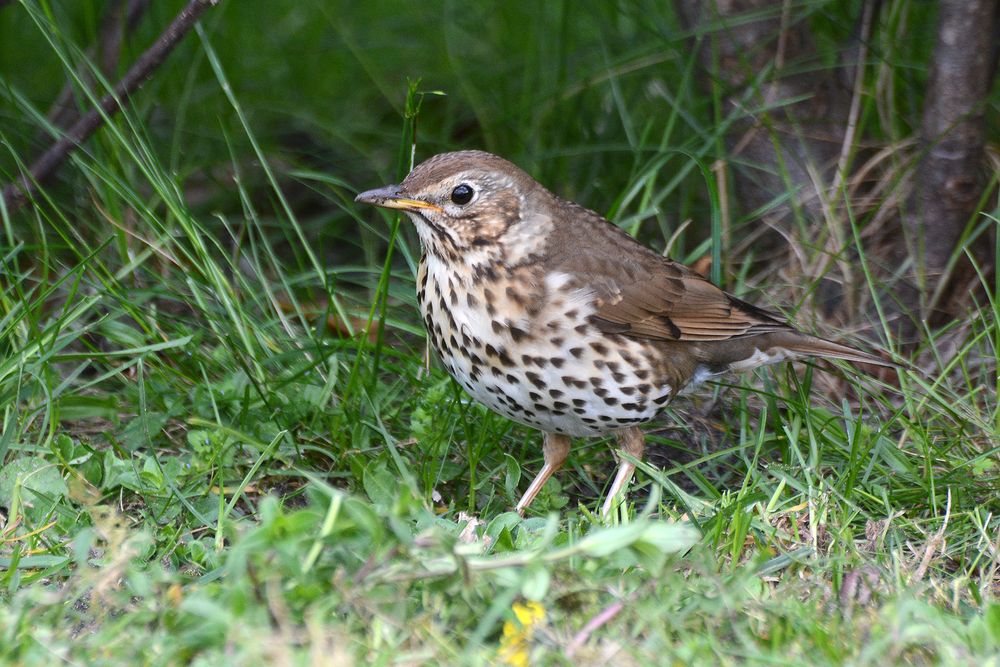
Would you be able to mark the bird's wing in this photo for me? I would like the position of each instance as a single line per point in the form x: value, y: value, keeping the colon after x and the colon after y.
x: 664, y: 300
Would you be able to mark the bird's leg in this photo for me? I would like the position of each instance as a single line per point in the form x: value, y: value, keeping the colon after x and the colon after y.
x: 555, y: 449
x: 633, y: 442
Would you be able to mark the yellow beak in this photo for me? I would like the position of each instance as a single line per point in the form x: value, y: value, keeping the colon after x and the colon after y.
x: 390, y: 197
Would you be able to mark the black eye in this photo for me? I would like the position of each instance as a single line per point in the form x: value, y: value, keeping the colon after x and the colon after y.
x: 462, y: 194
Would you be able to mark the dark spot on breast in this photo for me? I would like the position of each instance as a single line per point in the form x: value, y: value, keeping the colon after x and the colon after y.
x: 618, y: 377
x: 599, y: 348
x: 515, y: 296
x: 535, y: 379
x: 576, y: 351
x: 579, y: 411
x: 540, y: 407
x: 555, y: 393
x: 557, y: 341
x: 453, y: 341
x: 513, y: 379
x: 614, y: 366
x: 571, y: 313
x: 557, y: 362
x: 496, y: 371
x: 541, y: 362
x: 580, y: 328
x: 601, y: 391
x: 610, y: 400
x: 488, y: 272
x: 597, y: 382
x: 471, y: 300
x: 559, y: 405
x: 496, y: 326
x: 644, y: 389
x: 634, y: 407
x: 599, y: 363
x: 505, y: 359
x: 554, y: 325
x: 628, y: 391
x: 518, y: 334
x: 588, y: 420
x: 571, y: 381
x: 661, y: 399
x: 579, y: 402
x: 490, y: 298
x: 642, y: 375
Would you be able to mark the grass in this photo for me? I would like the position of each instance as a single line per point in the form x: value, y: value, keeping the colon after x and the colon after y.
x: 221, y: 443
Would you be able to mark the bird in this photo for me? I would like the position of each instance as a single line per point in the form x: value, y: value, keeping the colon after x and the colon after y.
x: 554, y: 317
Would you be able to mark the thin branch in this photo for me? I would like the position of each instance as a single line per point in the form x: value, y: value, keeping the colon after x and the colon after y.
x: 119, y: 20
x: 18, y: 192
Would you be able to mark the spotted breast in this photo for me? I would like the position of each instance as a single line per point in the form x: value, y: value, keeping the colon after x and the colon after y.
x: 519, y: 340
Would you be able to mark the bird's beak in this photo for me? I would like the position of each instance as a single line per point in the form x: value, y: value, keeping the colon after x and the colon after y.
x: 390, y: 197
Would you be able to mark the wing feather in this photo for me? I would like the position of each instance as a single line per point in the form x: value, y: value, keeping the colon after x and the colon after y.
x: 667, y: 301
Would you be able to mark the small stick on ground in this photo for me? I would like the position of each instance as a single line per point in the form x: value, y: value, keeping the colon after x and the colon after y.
x: 593, y: 624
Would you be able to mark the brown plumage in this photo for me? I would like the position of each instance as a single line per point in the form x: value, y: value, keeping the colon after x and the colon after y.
x: 556, y: 318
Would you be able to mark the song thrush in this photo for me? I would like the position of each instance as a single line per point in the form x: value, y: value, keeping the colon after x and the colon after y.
x: 557, y: 319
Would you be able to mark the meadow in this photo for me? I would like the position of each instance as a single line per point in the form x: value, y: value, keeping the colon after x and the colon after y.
x: 224, y: 441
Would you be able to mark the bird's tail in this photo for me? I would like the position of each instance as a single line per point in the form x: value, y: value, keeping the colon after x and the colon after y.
x: 812, y: 346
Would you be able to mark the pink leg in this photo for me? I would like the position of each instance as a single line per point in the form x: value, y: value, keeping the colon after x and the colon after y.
x: 555, y: 449
x: 630, y: 441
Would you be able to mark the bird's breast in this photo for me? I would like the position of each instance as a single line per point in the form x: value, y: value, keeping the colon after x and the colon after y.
x: 519, y: 341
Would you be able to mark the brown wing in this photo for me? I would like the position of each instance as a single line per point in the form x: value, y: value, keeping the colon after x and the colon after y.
x: 641, y: 293
x: 667, y: 301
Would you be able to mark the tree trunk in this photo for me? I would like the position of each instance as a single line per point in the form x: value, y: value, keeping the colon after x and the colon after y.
x: 949, y: 180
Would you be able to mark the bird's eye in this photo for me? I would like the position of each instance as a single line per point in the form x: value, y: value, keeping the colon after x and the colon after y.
x: 462, y: 194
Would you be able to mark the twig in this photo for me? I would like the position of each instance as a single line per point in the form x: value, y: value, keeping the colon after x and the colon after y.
x: 605, y: 615
x: 933, y: 544
x: 118, y: 21
x: 17, y: 193
x: 837, y: 241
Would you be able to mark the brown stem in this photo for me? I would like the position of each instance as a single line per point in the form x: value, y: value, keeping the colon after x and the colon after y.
x: 118, y: 21
x: 16, y: 193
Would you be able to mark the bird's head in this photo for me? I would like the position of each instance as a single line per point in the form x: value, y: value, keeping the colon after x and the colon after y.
x: 470, y: 206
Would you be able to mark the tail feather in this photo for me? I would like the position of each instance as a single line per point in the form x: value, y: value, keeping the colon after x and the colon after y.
x: 812, y: 346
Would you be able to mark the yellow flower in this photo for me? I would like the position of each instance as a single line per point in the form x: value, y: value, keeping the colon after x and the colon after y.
x: 516, y: 641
